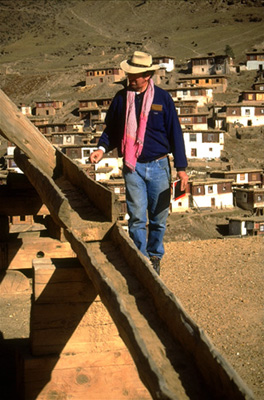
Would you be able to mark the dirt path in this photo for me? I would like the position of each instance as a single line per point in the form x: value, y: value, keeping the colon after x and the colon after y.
x: 220, y: 284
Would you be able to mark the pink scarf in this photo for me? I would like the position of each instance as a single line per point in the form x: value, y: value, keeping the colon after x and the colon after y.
x: 133, y: 139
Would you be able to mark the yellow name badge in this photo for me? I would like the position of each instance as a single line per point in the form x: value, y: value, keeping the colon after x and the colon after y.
x: 156, y: 107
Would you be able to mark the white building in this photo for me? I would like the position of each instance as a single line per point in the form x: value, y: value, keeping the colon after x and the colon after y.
x: 255, y: 60
x: 203, y: 95
x: 211, y: 193
x: 203, y: 144
x: 245, y: 114
x: 165, y: 62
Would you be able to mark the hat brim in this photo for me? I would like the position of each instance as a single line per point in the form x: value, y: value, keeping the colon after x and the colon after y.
x: 132, y: 69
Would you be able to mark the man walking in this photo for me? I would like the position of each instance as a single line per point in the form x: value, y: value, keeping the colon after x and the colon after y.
x: 143, y: 124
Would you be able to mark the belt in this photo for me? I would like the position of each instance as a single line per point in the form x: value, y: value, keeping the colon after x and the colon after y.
x: 155, y: 159
x: 160, y: 158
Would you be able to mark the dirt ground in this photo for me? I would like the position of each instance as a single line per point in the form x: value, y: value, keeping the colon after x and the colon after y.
x: 218, y: 279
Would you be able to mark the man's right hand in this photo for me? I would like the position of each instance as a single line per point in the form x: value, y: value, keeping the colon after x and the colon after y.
x: 96, y: 156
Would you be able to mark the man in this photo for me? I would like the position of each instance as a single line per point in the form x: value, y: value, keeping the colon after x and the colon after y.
x: 142, y: 123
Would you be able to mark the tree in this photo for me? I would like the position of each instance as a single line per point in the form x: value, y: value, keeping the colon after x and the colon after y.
x: 229, y: 51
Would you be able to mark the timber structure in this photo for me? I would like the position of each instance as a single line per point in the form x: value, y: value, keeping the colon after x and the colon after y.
x: 173, y: 357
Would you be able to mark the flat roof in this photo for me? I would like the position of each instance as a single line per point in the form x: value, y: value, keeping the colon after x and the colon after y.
x: 210, y: 180
x: 237, y: 171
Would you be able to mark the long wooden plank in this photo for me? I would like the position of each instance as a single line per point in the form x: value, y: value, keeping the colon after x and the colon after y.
x: 93, y: 375
x: 113, y: 274
x: 19, y: 130
x: 104, y: 199
x: 60, y: 196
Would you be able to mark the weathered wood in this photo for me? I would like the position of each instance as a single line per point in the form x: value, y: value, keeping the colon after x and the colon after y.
x: 55, y: 231
x: 61, y: 281
x: 217, y: 372
x: 19, y: 130
x: 98, y: 373
x: 13, y: 282
x: 21, y: 251
x: 60, y: 197
x: 109, y: 270
x: 77, y: 328
x: 101, y: 197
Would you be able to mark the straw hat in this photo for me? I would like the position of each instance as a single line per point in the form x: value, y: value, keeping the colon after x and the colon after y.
x: 139, y: 62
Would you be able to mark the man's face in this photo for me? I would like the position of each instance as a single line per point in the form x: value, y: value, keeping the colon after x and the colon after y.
x: 138, y: 82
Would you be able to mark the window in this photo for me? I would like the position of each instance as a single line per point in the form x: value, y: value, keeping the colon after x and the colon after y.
x: 247, y: 111
x: 262, y: 111
x: 233, y: 112
x: 242, y: 177
x: 259, y: 197
x: 210, y: 189
x: 193, y: 152
x: 86, y: 153
x: 192, y: 137
x: 210, y: 149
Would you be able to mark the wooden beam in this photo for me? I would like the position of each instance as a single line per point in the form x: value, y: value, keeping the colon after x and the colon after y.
x: 21, y: 251
x: 69, y: 206
x: 101, y: 197
x: 17, y: 128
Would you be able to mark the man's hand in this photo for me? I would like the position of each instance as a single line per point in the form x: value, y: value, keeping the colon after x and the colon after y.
x: 96, y: 156
x: 183, y: 178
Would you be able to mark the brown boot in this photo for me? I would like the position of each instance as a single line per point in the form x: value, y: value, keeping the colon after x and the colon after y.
x: 155, y: 261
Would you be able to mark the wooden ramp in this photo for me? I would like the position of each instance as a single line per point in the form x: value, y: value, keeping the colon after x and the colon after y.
x: 173, y: 356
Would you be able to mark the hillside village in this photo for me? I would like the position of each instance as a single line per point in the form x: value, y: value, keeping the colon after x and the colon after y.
x: 59, y: 65
x: 215, y: 183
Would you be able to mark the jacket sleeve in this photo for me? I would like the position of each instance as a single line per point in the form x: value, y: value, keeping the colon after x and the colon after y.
x: 175, y: 135
x: 114, y: 124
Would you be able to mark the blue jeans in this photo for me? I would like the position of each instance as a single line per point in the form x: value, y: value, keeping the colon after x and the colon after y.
x: 148, y: 195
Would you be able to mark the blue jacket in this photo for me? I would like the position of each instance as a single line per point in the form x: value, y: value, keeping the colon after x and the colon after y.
x: 163, y: 133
